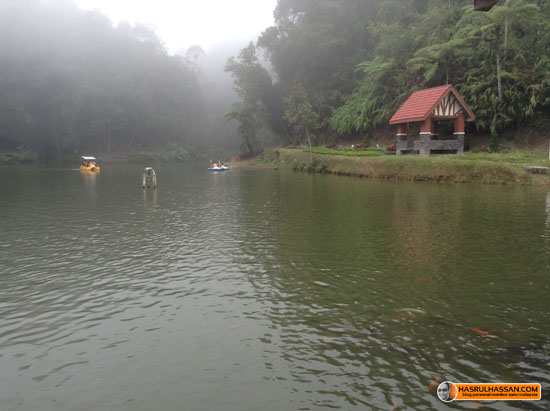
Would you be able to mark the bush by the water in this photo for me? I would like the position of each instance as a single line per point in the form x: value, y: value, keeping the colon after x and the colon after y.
x: 316, y: 166
x: 19, y: 156
x: 270, y: 156
x: 173, y: 153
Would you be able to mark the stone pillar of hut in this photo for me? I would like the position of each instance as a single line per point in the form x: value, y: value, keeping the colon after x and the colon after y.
x: 401, y: 139
x: 426, y: 132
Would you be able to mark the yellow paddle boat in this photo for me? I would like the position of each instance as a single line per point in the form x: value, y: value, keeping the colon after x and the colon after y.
x: 89, y: 164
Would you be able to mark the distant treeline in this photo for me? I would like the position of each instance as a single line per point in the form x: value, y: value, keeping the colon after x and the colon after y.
x: 70, y: 82
x: 340, y: 68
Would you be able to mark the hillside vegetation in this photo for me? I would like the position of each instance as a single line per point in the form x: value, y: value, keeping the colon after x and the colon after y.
x: 326, y: 72
x: 73, y: 83
x: 340, y: 68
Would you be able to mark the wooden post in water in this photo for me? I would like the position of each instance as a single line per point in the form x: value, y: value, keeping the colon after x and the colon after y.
x: 149, y: 177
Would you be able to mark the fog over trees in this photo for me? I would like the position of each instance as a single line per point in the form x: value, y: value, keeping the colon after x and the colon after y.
x: 218, y: 92
x: 71, y: 82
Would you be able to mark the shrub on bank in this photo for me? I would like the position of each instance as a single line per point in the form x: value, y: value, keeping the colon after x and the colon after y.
x: 172, y: 153
x: 316, y: 166
x: 19, y: 156
x: 270, y: 156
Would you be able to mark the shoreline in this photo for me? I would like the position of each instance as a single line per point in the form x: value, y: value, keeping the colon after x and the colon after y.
x: 435, y: 168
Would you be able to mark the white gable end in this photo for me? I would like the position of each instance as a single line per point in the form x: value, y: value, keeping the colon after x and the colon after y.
x: 448, y: 107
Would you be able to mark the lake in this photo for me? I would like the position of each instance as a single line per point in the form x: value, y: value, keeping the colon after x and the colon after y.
x: 266, y: 290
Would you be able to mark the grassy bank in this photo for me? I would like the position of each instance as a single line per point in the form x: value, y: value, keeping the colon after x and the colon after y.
x: 481, y: 167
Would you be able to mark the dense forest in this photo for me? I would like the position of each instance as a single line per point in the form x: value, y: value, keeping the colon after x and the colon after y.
x: 327, y: 70
x: 340, y: 68
x: 73, y: 83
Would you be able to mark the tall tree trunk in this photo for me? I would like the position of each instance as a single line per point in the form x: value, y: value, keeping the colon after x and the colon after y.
x: 248, y: 146
x: 505, y: 34
x: 284, y: 129
x: 499, y: 83
x: 310, y: 148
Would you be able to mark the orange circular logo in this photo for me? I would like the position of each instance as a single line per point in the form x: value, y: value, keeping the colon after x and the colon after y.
x: 446, y: 391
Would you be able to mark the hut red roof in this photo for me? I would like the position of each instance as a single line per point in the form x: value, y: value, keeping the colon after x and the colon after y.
x: 422, y: 103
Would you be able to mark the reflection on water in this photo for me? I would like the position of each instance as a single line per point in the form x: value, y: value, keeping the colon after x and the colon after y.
x: 265, y: 290
x: 150, y: 197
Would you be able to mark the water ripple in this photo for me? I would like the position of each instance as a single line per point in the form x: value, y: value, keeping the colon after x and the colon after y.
x: 303, y: 291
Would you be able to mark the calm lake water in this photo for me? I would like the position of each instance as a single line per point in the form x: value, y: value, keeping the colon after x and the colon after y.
x: 265, y: 290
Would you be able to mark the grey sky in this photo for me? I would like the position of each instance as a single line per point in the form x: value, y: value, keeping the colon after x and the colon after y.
x: 183, y: 23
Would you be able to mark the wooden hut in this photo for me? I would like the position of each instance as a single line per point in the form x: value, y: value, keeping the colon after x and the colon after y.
x: 428, y: 107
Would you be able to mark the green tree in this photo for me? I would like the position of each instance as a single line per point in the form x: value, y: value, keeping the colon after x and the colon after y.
x: 253, y: 85
x: 251, y: 123
x: 300, y: 113
x: 317, y: 45
x: 497, y: 60
x: 500, y: 93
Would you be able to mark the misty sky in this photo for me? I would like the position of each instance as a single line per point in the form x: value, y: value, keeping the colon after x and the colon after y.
x: 183, y: 23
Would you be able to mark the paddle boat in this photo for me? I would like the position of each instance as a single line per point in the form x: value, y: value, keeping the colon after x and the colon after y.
x: 217, y: 167
x: 89, y: 164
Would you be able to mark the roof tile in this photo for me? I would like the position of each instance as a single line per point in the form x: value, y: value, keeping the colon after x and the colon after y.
x: 421, y: 103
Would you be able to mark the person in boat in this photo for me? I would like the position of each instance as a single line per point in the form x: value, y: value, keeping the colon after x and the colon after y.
x: 214, y: 165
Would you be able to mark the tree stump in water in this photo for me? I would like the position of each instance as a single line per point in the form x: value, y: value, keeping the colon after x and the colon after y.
x: 149, y: 177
